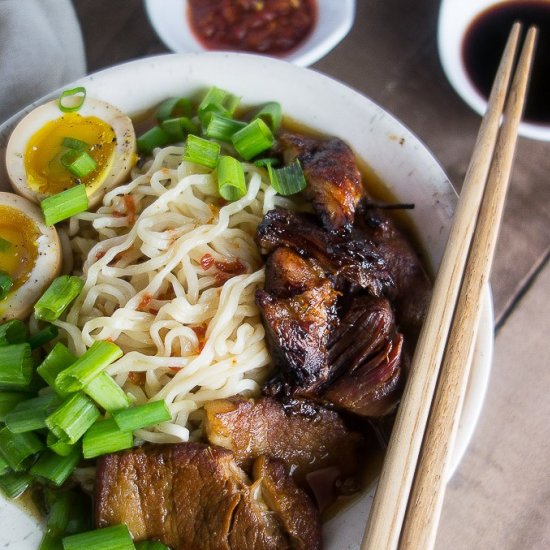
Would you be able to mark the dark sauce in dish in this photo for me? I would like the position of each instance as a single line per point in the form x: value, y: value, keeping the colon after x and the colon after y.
x: 273, y: 27
x: 485, y: 41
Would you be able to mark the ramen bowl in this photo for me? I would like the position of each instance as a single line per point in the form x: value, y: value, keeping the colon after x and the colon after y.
x: 408, y: 170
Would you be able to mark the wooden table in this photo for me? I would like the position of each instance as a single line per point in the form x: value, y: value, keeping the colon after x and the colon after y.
x: 500, y: 495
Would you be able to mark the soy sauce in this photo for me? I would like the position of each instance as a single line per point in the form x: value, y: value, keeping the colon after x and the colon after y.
x: 485, y: 41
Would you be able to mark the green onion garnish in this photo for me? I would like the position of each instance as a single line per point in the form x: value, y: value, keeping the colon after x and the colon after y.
x: 8, y: 402
x: 16, y: 366
x: 58, y: 519
x: 271, y: 114
x: 149, y: 414
x: 100, y: 355
x: 13, y: 485
x: 153, y: 138
x: 72, y: 100
x: 201, y: 151
x: 231, y: 182
x: 57, y: 297
x: 174, y: 107
x: 78, y: 163
x: 13, y: 332
x: 107, y: 393
x: 4, y: 466
x: 289, y: 179
x: 70, y: 421
x: 31, y: 414
x: 150, y: 545
x: 58, y: 446
x: 5, y: 245
x: 178, y: 128
x: 268, y: 161
x: 15, y: 448
x: 47, y: 334
x: 57, y: 360
x: 253, y: 139
x: 54, y: 468
x: 63, y: 205
x: 76, y: 144
x: 116, y: 537
x: 218, y: 101
x: 222, y: 127
x: 6, y: 282
x: 105, y: 437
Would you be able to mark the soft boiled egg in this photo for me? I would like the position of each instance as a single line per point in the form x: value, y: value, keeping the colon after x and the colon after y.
x: 30, y: 254
x: 37, y: 149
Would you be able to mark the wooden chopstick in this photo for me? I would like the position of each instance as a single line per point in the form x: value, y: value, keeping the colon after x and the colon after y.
x: 388, y: 510
x: 426, y: 499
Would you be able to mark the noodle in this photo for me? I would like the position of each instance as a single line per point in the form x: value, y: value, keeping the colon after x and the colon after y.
x: 170, y: 276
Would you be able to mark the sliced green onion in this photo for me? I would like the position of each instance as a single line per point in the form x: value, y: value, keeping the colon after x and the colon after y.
x: 57, y: 297
x: 231, y: 182
x: 58, y: 446
x: 222, y: 127
x: 15, y: 448
x: 149, y: 414
x: 178, y: 128
x: 31, y: 414
x: 15, y: 484
x: 4, y: 466
x: 78, y: 163
x: 107, y: 393
x: 57, y: 360
x: 58, y: 519
x: 116, y: 537
x: 47, y: 334
x: 289, y: 179
x: 218, y: 101
x: 8, y: 402
x: 105, y: 437
x: 201, y: 151
x: 63, y: 205
x: 174, y: 107
x: 6, y: 282
x: 5, y: 245
x: 72, y: 100
x: 54, y: 468
x: 70, y: 421
x: 100, y: 355
x: 268, y: 161
x: 13, y: 332
x: 253, y: 139
x: 271, y: 114
x: 153, y: 138
x: 73, y: 143
x: 16, y: 366
x: 150, y: 545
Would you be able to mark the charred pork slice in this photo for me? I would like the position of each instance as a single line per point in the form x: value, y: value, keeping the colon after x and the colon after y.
x: 354, y: 260
x: 306, y: 436
x: 411, y: 291
x: 333, y: 180
x: 193, y: 496
x: 297, y: 325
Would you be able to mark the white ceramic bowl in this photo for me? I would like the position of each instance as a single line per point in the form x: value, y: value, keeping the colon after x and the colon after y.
x: 393, y: 152
x: 335, y: 18
x: 455, y: 17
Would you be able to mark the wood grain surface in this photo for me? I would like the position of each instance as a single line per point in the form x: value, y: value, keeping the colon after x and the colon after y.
x: 500, y: 496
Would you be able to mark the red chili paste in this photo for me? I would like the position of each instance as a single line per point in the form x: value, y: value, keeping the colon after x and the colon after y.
x: 266, y: 26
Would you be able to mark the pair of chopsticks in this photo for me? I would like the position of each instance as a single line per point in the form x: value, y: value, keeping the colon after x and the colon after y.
x: 408, y: 501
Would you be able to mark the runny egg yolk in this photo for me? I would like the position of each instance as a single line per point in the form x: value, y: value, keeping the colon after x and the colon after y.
x: 19, y: 250
x: 45, y: 172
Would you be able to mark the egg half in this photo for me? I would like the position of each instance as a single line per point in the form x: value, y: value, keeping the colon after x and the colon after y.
x: 30, y: 254
x: 34, y: 156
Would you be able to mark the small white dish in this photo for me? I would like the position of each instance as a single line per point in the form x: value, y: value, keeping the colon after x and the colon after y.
x: 334, y: 20
x: 397, y: 157
x: 455, y: 18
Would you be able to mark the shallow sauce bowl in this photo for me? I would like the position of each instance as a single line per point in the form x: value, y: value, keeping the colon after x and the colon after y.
x: 397, y: 157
